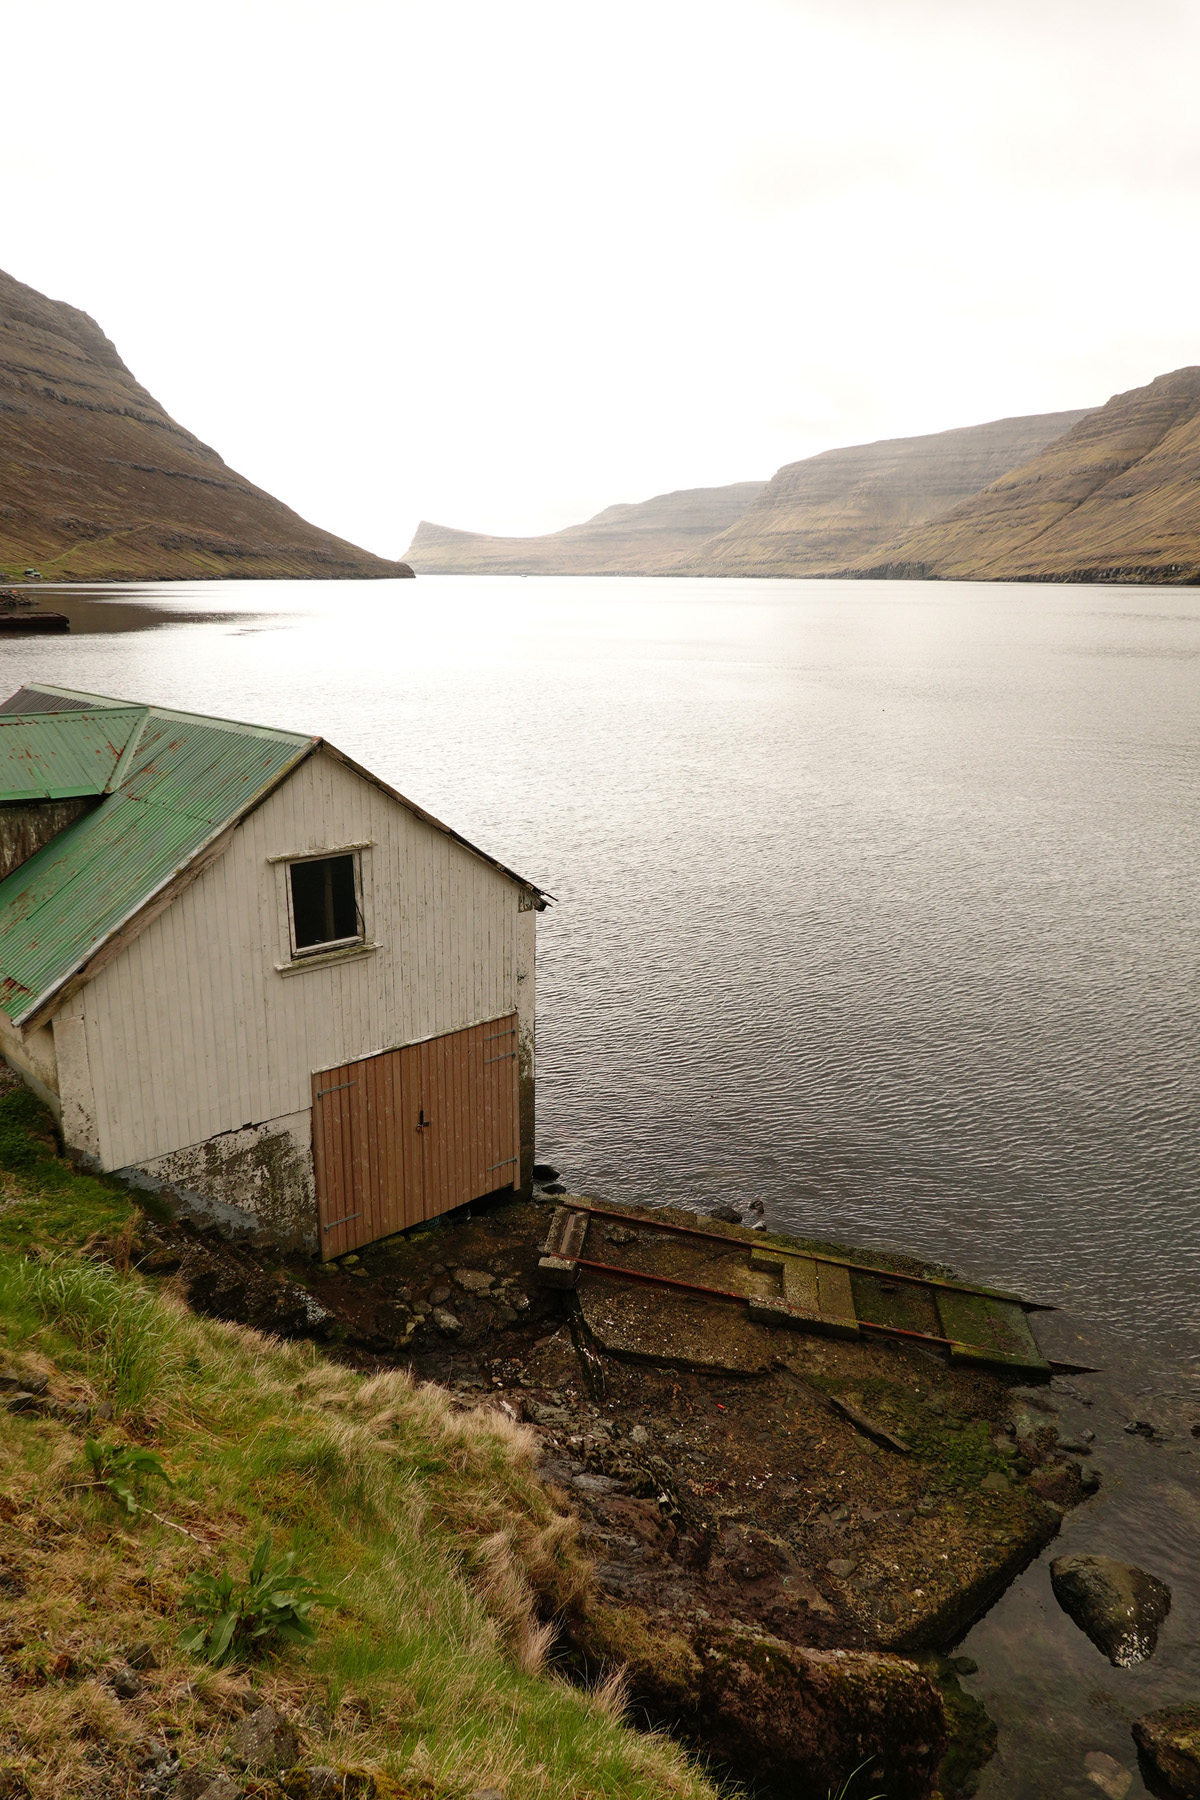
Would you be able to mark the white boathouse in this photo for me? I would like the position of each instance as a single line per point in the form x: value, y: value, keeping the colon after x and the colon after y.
x: 239, y: 966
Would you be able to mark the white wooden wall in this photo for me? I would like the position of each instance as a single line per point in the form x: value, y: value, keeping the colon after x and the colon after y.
x: 191, y: 1031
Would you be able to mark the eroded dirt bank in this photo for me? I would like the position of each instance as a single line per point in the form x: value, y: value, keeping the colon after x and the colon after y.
x: 779, y: 1522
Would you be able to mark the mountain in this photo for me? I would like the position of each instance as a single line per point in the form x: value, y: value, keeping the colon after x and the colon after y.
x: 1115, y: 499
x: 642, y: 539
x: 101, y: 484
x: 844, y: 507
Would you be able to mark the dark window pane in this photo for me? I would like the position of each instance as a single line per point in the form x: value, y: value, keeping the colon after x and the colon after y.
x: 323, y: 901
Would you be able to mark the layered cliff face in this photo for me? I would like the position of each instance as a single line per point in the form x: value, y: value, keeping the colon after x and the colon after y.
x: 1116, y: 498
x: 842, y: 508
x: 100, y: 484
x: 644, y: 539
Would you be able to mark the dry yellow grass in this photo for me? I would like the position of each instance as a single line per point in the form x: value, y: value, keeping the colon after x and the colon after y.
x: 448, y: 1557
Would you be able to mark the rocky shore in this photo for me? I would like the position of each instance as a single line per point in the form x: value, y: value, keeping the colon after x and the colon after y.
x: 788, y: 1531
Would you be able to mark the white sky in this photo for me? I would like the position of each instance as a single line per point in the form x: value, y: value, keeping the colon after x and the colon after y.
x: 500, y: 265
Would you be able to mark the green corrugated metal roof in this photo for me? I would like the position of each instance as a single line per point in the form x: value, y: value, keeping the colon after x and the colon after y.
x: 65, y: 756
x: 185, y: 778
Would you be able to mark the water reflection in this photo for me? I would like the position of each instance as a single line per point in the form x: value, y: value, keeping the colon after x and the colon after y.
x: 106, y: 609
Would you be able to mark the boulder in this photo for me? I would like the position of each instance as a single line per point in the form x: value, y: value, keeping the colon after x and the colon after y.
x: 205, y: 1784
x: 1059, y: 1483
x: 123, y: 1681
x: 1118, y: 1605
x: 221, y: 1788
x: 321, y: 1782
x: 1169, y: 1745
x: 265, y: 1741
x: 475, y: 1281
x: 801, y: 1720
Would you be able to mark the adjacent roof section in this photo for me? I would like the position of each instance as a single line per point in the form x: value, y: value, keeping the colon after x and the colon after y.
x: 169, y: 784
x: 51, y: 700
x: 66, y: 757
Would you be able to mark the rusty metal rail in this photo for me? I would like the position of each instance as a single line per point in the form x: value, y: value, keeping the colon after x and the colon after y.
x: 712, y: 1293
x: 837, y: 1262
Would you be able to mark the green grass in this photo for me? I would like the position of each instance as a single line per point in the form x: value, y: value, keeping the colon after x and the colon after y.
x: 447, y: 1556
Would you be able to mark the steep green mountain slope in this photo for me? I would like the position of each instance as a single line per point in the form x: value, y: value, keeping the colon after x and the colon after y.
x: 99, y: 483
x: 841, y: 509
x: 1117, y: 498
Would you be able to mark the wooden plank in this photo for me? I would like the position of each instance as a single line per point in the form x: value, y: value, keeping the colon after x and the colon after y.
x: 838, y: 1316
x: 559, y: 1265
x: 813, y: 1293
x: 428, y: 1129
x: 796, y: 1303
x: 333, y: 1161
x: 347, y: 1221
x: 391, y: 1190
x: 412, y: 1149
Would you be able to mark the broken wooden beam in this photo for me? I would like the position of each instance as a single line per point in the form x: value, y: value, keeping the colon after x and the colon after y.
x: 559, y: 1264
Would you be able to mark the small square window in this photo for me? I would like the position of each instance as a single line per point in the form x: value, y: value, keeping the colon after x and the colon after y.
x: 325, y: 909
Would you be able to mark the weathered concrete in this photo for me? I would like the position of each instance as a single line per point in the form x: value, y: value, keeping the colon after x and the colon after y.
x: 32, y: 1055
x: 264, y: 1172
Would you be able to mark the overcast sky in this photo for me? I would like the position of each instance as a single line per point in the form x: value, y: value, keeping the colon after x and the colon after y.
x: 501, y: 265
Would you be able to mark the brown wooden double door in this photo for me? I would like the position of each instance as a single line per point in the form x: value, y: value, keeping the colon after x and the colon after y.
x: 411, y: 1133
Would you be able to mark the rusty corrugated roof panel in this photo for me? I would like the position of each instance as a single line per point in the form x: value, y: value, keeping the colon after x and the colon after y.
x: 63, y: 756
x: 184, y: 780
x: 39, y: 700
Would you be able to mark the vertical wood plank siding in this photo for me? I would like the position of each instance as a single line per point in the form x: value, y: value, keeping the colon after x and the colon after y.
x: 411, y: 1133
x: 192, y: 1031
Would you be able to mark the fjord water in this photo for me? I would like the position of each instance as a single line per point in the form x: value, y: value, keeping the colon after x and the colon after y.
x: 877, y: 902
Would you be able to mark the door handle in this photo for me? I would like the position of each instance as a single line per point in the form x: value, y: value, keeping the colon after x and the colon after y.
x: 423, y: 1122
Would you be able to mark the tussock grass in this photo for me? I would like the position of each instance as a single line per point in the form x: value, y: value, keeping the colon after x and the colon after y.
x: 447, y: 1556
x: 117, y: 1325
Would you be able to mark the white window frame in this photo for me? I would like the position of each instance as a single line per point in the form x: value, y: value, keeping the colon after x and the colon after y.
x: 329, y: 946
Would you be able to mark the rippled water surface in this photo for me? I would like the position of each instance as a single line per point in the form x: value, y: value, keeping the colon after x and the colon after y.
x: 877, y: 901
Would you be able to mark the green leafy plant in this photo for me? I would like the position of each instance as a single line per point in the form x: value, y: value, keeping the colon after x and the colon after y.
x: 118, y: 1467
x: 273, y: 1602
